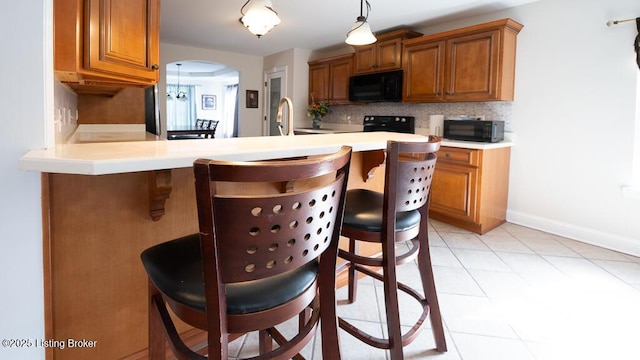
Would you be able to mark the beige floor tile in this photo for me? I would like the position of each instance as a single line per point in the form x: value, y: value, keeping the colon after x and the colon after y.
x: 506, y: 243
x: 480, y: 260
x: 514, y: 293
x: 473, y: 315
x: 463, y: 241
x: 628, y: 272
x: 453, y: 280
x: 478, y: 347
x: 592, y: 252
x: 442, y: 256
x: 547, y: 246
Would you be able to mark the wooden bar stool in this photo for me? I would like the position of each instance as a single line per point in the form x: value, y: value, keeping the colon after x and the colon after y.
x: 398, y: 215
x: 266, y: 253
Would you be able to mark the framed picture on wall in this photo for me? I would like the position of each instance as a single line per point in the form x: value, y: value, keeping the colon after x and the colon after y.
x: 208, y: 102
x: 252, y: 98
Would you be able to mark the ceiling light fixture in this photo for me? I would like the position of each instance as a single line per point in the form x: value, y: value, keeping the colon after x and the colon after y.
x: 260, y: 17
x: 180, y: 95
x: 360, y: 33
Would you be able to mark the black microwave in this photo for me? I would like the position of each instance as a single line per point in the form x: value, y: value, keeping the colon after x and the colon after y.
x: 383, y: 86
x: 474, y: 130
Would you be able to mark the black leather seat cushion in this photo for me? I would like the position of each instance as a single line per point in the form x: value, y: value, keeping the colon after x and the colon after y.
x: 363, y: 211
x: 175, y: 268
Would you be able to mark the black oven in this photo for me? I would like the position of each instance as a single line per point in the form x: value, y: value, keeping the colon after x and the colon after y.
x: 474, y: 130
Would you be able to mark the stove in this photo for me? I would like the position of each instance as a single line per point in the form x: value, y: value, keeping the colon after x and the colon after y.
x: 402, y: 124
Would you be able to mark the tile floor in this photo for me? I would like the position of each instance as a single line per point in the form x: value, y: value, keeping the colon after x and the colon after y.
x: 514, y: 293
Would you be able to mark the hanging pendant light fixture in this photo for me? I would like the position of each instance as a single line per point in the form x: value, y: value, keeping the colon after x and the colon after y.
x: 180, y: 95
x: 360, y: 33
x: 259, y: 17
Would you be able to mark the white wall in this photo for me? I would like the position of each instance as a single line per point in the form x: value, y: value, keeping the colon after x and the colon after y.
x: 25, y: 70
x: 574, y: 116
x: 249, y: 67
x: 297, y: 80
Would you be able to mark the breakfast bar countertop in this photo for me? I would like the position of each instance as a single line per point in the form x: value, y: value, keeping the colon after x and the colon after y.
x: 133, y: 156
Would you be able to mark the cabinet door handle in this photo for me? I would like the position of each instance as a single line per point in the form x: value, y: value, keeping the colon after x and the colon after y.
x: 155, y: 67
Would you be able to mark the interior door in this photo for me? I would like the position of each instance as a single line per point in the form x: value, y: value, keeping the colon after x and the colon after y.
x: 275, y: 89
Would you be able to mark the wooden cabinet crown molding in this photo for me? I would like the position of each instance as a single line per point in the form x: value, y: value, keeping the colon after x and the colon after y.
x: 104, y: 45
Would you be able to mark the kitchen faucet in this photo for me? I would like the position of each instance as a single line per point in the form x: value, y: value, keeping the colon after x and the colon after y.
x: 289, y: 116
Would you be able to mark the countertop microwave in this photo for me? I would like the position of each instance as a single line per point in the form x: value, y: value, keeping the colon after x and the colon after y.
x: 474, y: 130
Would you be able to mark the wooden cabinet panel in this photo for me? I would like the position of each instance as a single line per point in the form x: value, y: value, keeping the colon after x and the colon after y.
x: 453, y: 191
x: 423, y: 76
x: 318, y: 83
x: 389, y: 55
x: 365, y: 59
x: 107, y: 42
x: 383, y: 55
x: 478, y: 64
x: 123, y: 37
x: 472, y: 67
x: 339, y: 73
x: 461, y: 156
x: 329, y: 79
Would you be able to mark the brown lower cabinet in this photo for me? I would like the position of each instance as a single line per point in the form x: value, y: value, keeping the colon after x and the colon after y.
x: 470, y: 188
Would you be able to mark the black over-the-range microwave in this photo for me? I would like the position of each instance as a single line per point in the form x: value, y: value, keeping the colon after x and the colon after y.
x: 382, y: 86
x: 474, y: 130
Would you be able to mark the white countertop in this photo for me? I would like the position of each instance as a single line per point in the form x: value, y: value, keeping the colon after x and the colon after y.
x: 98, y: 133
x: 98, y: 158
x: 333, y: 128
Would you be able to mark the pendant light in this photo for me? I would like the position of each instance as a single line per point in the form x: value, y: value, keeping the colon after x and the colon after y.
x: 360, y: 33
x: 259, y: 17
x: 180, y: 95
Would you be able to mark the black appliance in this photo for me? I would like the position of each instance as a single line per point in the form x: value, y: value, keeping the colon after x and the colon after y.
x: 474, y: 130
x: 384, y: 86
x: 152, y: 110
x: 402, y: 124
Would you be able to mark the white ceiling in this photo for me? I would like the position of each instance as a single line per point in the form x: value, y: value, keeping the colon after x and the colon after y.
x: 305, y: 24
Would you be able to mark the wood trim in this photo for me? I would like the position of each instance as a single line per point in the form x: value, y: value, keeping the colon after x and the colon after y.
x: 46, y: 262
x: 160, y: 186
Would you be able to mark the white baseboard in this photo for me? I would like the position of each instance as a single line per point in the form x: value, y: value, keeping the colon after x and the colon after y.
x: 610, y: 241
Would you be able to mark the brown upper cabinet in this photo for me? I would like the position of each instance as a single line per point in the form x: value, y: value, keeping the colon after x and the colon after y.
x: 106, y: 43
x: 383, y: 55
x: 475, y: 63
x: 329, y: 79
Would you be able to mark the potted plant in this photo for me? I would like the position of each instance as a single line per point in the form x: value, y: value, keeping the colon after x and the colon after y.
x: 317, y: 111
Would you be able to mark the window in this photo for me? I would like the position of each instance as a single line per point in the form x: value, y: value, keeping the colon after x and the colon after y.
x: 181, y: 113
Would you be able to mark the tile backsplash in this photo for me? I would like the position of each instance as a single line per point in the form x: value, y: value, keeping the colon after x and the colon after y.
x: 66, y: 111
x: 354, y: 114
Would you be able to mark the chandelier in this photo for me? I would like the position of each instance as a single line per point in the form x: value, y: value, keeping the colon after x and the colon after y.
x: 259, y: 17
x: 360, y: 33
x: 180, y: 95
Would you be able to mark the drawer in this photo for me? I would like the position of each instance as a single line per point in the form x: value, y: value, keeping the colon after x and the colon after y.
x: 459, y: 155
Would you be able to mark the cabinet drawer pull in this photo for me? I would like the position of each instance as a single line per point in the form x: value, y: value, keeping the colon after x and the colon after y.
x: 155, y: 67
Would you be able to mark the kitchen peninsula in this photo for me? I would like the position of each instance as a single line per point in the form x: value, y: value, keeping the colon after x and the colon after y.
x: 104, y: 203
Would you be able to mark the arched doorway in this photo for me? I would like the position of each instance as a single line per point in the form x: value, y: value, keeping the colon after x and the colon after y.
x: 202, y: 90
